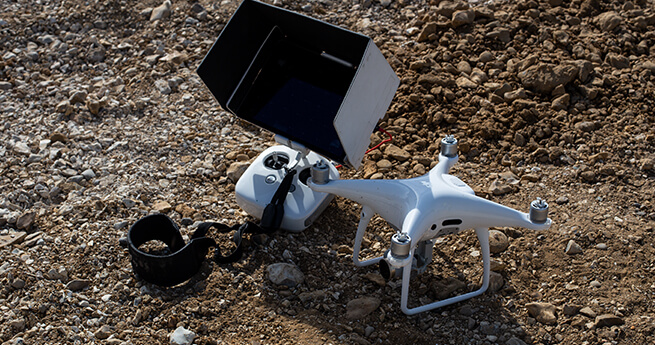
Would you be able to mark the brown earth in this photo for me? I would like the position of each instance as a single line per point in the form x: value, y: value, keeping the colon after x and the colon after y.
x: 104, y: 119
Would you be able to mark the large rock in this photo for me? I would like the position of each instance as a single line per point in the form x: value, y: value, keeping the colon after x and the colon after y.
x: 462, y: 18
x: 26, y: 220
x: 573, y: 248
x: 182, y: 336
x: 498, y: 241
x: 609, y: 21
x: 608, y: 320
x: 544, y: 77
x: 397, y: 153
x: 236, y: 170
x: 285, y: 274
x: 161, y: 11
x: 428, y: 29
x: 360, y: 307
x: 542, y: 312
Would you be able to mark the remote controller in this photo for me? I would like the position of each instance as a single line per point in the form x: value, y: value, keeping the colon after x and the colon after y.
x: 259, y: 182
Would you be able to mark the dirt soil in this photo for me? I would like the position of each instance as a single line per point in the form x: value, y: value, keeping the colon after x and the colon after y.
x: 104, y: 121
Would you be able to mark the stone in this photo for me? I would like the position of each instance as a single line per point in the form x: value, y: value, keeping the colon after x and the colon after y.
x: 562, y: 200
x: 511, y: 96
x: 17, y: 324
x: 236, y: 170
x: 561, y: 102
x: 97, y: 54
x: 78, y: 284
x: 466, y: 310
x: 445, y: 287
x: 161, y: 11
x: 542, y: 312
x: 463, y: 67
x: 573, y: 248
x: 647, y: 164
x: 182, y: 336
x: 103, y: 332
x: 465, y: 83
x: 617, y: 61
x: 162, y: 207
x: 515, y: 341
x: 18, y: 283
x: 88, y: 174
x: 376, y: 278
x: 285, y: 274
x: 197, y: 8
x: 58, y: 137
x: 428, y: 29
x: 543, y: 78
x: 26, y: 220
x: 588, y: 312
x: 498, y: 241
x: 570, y: 310
x: 368, y: 331
x: 317, y: 295
x: 78, y: 97
x: 5, y: 85
x: 499, y: 188
x: 588, y: 176
x: 397, y: 153
x: 496, y: 282
x: 94, y: 105
x: 478, y: 76
x: 384, y: 164
x: 64, y: 107
x: 595, y: 284
x: 486, y: 56
x: 22, y: 148
x: 608, y: 21
x: 462, y: 18
x: 608, y: 320
x: 163, y: 87
x: 175, y: 58
x: 185, y: 210
x: 12, y: 238
x: 585, y: 126
x: 360, y: 307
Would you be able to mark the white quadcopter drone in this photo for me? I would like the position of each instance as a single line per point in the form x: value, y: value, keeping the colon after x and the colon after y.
x: 423, y: 209
x: 322, y: 89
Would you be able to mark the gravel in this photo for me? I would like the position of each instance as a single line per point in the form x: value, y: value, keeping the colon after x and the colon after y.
x: 104, y: 121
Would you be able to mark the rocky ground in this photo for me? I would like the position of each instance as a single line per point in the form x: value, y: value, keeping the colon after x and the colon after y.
x: 104, y: 121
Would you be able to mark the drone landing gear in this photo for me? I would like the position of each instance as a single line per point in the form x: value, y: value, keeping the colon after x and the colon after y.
x: 483, y: 237
x: 416, y: 263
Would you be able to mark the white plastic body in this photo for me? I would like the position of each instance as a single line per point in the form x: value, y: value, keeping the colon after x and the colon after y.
x: 426, y: 207
x: 302, y: 205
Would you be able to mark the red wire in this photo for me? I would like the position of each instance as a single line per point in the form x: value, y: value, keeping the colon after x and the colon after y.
x: 376, y: 146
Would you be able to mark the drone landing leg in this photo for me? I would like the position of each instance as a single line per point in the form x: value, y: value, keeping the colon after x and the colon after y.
x: 367, y: 213
x: 483, y: 237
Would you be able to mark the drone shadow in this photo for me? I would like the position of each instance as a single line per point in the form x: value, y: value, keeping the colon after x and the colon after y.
x: 323, y: 301
x: 320, y: 309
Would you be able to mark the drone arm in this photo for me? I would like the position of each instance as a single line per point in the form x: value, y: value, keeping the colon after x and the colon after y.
x: 388, y: 198
x: 479, y: 212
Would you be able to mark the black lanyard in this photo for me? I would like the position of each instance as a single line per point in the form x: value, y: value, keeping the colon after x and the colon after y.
x: 185, y: 260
